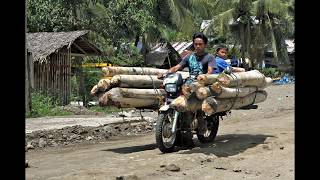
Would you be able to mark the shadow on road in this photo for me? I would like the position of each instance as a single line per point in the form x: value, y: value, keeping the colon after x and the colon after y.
x: 132, y: 149
x: 229, y: 145
x: 223, y: 146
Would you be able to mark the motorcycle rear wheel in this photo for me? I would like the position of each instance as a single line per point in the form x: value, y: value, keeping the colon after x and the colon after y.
x: 210, y: 135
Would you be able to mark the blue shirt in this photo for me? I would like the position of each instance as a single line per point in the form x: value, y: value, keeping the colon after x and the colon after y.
x: 221, y: 65
x: 205, y: 61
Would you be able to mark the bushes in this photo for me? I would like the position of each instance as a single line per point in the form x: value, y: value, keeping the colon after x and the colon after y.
x: 44, y: 105
x: 271, y: 72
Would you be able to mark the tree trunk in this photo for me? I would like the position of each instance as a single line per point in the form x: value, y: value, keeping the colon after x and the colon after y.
x: 112, y: 71
x: 213, y: 105
x: 138, y: 93
x: 182, y: 104
x: 94, y: 91
x: 27, y: 84
x: 131, y: 98
x: 223, y: 92
x: 189, y: 89
x: 207, y: 79
x: 102, y: 86
x: 242, y: 79
x: 137, y: 39
x: 136, y: 81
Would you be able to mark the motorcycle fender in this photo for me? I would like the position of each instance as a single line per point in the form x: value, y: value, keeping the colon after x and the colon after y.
x: 164, y: 108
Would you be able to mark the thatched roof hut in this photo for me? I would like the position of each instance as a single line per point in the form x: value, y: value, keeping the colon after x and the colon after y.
x: 49, y: 54
x: 43, y: 44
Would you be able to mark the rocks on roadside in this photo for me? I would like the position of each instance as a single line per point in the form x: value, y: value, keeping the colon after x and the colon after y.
x: 89, y: 138
x: 42, y: 143
x: 30, y: 146
x: 127, y: 177
x: 172, y: 167
x: 237, y: 170
x: 27, y: 164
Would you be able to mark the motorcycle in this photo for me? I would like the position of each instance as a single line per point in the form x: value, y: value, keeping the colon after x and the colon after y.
x: 176, y: 129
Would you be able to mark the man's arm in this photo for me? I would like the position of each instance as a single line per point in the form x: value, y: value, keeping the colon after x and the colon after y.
x: 175, y: 68
x: 212, y: 65
x: 210, y: 70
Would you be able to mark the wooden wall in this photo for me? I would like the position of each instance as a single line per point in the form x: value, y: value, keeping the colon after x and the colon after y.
x: 54, y: 76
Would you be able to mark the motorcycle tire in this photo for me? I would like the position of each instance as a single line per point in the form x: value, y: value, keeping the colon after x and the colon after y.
x: 213, y: 125
x: 162, y: 119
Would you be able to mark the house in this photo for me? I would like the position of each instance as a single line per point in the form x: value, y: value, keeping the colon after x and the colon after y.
x: 166, y: 55
x: 268, y: 61
x: 49, y: 60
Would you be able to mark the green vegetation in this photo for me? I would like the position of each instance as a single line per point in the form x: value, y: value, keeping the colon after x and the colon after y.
x: 44, y: 105
x: 116, y: 27
x: 271, y: 72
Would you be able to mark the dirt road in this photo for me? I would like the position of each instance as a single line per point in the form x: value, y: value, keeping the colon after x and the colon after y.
x: 251, y: 144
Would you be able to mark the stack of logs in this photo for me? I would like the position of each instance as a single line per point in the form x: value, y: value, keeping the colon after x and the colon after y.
x: 222, y: 92
x: 131, y: 87
x: 138, y: 87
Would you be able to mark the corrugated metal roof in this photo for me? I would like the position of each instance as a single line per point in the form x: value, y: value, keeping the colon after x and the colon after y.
x: 181, y: 46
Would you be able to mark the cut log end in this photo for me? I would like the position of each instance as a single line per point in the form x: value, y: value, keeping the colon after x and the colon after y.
x: 202, y: 93
x: 186, y: 90
x: 179, y: 104
x: 105, y: 71
x: 104, y: 85
x: 216, y: 87
x: 202, y: 78
x: 206, y: 108
x: 224, y: 80
x: 94, y: 90
x: 115, y: 81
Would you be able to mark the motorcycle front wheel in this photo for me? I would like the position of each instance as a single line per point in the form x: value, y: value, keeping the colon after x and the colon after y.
x: 165, y: 139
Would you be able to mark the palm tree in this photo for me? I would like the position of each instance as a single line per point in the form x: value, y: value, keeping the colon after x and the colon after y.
x: 254, y: 24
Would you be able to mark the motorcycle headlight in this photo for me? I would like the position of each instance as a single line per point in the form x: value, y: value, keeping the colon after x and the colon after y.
x: 171, y: 88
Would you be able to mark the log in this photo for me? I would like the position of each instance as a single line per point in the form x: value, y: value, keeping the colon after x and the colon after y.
x: 136, y: 81
x: 189, y: 89
x: 206, y: 79
x: 102, y: 86
x: 248, y: 78
x: 182, y: 104
x: 94, y: 90
x: 112, y: 71
x: 213, y: 105
x: 131, y: 98
x: 218, y: 91
x: 242, y: 79
x: 138, y: 93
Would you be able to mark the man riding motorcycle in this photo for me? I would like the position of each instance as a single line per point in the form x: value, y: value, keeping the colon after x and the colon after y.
x: 199, y: 62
